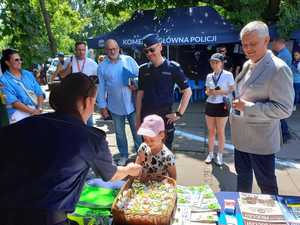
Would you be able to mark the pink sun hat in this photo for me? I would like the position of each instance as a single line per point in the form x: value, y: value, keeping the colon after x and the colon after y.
x: 152, y: 125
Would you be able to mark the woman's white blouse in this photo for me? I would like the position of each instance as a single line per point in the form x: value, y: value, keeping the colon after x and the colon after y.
x: 224, y: 82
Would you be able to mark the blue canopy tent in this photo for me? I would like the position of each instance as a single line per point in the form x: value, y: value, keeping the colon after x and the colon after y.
x: 196, y: 25
x: 180, y: 26
x: 129, y: 33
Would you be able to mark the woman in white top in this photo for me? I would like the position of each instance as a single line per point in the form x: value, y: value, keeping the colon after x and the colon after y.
x: 219, y: 84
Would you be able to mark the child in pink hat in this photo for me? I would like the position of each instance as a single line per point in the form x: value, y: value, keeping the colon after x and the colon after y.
x: 153, y: 155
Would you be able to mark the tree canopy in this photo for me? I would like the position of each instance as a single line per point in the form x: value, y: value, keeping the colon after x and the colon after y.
x: 39, y: 28
x: 285, y: 13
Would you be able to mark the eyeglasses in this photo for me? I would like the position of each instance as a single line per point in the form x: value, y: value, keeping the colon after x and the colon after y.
x: 112, y: 49
x: 18, y: 60
x: 147, y: 50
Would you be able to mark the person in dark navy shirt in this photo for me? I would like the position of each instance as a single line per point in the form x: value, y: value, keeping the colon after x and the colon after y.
x: 42, y: 180
x: 156, y: 87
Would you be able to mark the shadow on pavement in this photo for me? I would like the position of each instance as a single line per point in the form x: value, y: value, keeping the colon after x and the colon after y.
x: 226, y: 178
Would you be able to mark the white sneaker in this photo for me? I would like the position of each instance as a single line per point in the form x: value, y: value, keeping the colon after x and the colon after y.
x: 122, y: 161
x: 294, y: 108
x: 209, y: 158
x: 219, y: 160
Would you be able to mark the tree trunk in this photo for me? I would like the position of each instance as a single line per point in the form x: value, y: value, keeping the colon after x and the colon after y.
x: 52, y: 43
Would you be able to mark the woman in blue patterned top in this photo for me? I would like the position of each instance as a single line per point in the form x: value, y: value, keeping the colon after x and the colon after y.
x: 24, y: 96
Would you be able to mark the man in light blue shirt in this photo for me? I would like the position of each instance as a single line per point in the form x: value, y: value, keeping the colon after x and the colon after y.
x: 115, y: 94
x: 282, y: 52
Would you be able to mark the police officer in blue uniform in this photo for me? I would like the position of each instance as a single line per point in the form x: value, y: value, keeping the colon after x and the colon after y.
x: 155, y: 94
x: 42, y: 181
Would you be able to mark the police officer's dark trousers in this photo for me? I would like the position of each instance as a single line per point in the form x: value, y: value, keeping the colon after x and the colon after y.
x: 263, y: 167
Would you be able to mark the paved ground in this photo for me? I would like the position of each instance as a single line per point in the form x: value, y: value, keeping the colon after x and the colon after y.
x: 191, y: 149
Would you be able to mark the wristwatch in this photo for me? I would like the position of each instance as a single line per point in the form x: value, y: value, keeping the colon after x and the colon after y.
x: 178, y: 114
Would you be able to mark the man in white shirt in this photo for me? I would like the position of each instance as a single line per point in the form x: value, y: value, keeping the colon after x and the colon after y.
x: 80, y: 63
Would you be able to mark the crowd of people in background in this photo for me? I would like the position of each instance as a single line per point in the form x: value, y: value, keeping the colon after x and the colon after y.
x: 260, y: 97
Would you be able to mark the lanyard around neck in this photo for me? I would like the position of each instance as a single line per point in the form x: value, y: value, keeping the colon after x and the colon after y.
x: 78, y: 66
x: 217, y: 80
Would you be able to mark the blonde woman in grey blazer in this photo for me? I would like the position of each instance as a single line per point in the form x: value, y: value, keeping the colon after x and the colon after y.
x: 264, y: 95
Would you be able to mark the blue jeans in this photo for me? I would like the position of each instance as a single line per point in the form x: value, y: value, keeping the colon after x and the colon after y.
x: 263, y: 167
x: 119, y: 122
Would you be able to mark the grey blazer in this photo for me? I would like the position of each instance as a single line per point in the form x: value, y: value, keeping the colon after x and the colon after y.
x: 270, y: 88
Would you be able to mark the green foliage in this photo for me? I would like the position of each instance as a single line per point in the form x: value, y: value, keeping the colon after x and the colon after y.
x: 100, y: 20
x: 240, y: 13
x: 22, y: 25
x: 289, y: 18
x: 68, y: 26
x: 4, y: 42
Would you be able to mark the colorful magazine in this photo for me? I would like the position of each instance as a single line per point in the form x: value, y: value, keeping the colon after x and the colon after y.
x: 196, y: 205
x: 260, y: 209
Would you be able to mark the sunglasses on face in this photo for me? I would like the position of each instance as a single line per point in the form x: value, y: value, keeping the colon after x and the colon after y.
x: 147, y: 50
x: 18, y: 60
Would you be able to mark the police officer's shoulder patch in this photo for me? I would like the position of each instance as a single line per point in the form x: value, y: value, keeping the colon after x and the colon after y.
x: 143, y: 65
x: 174, y: 63
x: 176, y: 67
x: 145, y: 69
